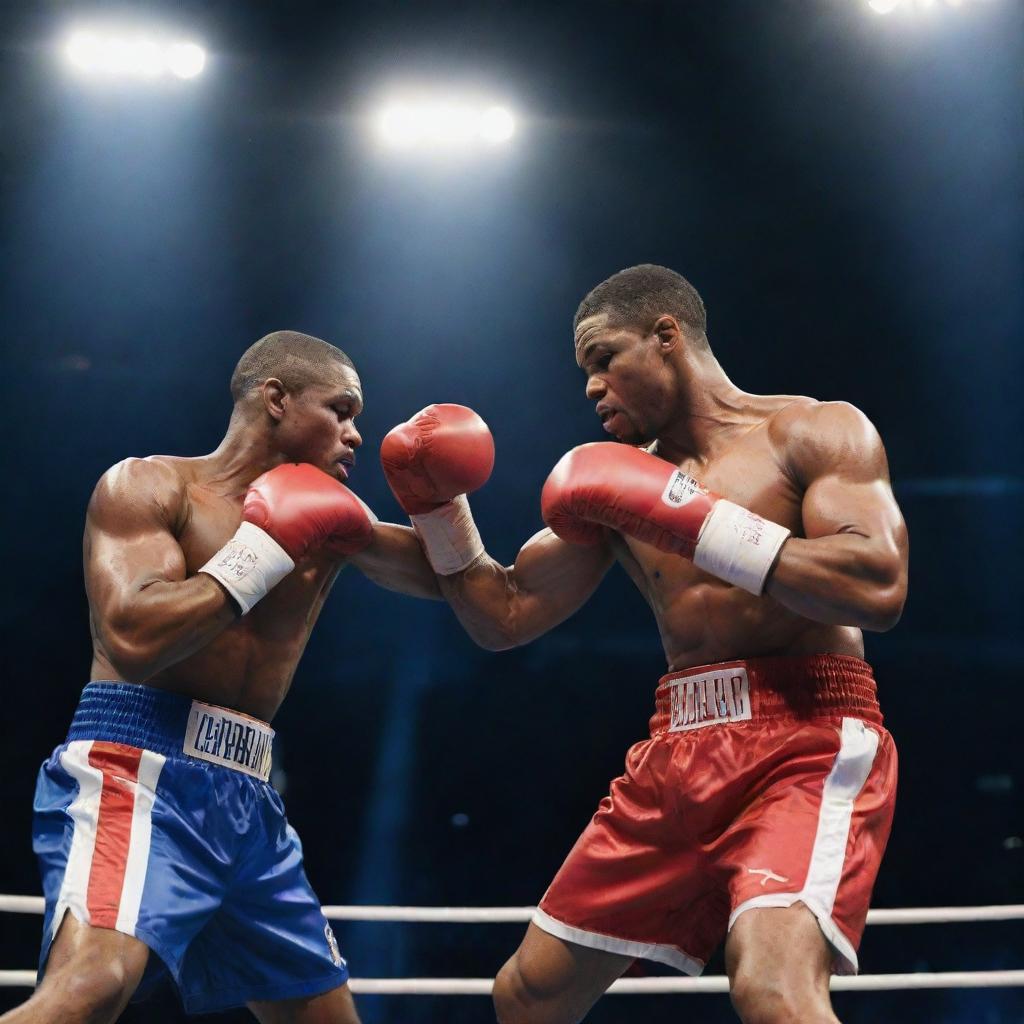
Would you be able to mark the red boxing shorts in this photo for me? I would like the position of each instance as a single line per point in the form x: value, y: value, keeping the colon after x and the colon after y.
x: 764, y: 783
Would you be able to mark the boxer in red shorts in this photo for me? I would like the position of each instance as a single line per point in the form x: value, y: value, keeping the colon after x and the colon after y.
x: 763, y: 532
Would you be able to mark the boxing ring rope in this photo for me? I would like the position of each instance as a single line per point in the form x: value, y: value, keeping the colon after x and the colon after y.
x: 521, y: 915
x: 624, y: 986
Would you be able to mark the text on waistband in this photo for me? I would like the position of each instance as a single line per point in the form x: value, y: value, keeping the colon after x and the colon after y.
x: 710, y: 699
x: 233, y: 741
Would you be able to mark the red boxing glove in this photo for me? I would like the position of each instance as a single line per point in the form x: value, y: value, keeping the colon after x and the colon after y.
x: 289, y: 511
x: 628, y: 490
x: 304, y: 509
x: 442, y: 452
x: 432, y: 462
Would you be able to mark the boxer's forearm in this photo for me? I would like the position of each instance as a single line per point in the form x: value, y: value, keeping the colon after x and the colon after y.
x: 845, y: 579
x: 502, y: 607
x: 395, y: 560
x: 485, y: 600
x: 163, y: 623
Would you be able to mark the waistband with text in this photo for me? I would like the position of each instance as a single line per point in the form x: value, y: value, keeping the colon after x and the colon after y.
x: 229, y: 739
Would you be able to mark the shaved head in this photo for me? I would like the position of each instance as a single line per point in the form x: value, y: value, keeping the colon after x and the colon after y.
x: 637, y: 296
x: 296, y: 360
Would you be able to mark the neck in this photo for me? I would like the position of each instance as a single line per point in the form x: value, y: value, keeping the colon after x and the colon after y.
x: 711, y: 410
x: 244, y: 454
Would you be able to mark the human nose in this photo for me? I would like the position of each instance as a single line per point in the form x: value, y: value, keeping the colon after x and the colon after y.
x: 351, y: 436
x: 596, y: 388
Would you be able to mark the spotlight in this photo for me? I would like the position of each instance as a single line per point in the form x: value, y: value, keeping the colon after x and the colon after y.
x: 185, y: 60
x: 399, y: 125
x: 84, y: 50
x: 444, y: 124
x: 132, y: 55
x: 497, y: 124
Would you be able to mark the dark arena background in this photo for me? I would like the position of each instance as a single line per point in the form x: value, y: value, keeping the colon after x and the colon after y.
x: 841, y: 179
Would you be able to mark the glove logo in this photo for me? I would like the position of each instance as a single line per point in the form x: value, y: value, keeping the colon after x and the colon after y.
x: 680, y: 490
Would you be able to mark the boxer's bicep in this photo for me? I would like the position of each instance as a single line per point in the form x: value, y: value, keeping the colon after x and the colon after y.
x: 839, y: 460
x: 129, y: 542
x: 835, y: 504
x: 852, y: 559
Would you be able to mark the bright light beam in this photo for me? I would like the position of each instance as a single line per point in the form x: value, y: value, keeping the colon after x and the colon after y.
x: 132, y: 55
x: 443, y: 124
x: 186, y: 60
x: 888, y: 6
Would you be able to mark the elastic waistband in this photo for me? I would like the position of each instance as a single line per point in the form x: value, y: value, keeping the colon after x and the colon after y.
x: 814, y: 686
x: 172, y: 725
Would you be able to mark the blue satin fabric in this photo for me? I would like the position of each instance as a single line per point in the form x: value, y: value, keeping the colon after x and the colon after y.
x: 226, y: 905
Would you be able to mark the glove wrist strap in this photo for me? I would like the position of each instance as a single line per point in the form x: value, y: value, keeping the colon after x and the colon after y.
x: 738, y: 546
x: 249, y: 566
x: 449, y: 536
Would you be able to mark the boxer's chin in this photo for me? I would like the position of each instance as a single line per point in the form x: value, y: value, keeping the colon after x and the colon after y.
x: 633, y: 435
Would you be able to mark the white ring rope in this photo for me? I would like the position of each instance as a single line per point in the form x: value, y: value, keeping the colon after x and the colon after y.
x: 625, y: 986
x: 644, y: 986
x: 507, y: 915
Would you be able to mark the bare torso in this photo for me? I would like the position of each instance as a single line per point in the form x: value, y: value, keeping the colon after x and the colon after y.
x: 249, y: 666
x: 703, y: 620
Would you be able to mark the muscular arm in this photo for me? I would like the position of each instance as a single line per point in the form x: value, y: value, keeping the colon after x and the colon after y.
x: 146, y: 614
x: 394, y: 560
x: 505, y: 607
x: 850, y: 568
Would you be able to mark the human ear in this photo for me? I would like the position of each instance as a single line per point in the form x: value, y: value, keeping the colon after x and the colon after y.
x: 275, y: 398
x: 666, y: 330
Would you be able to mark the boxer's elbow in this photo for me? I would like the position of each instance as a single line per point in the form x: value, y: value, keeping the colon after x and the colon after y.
x: 135, y: 659
x: 885, y: 610
x: 885, y: 595
x: 500, y: 632
x: 492, y: 636
x: 133, y: 644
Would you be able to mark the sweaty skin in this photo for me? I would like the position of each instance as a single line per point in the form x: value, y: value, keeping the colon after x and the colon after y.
x: 152, y: 523
x: 817, y: 468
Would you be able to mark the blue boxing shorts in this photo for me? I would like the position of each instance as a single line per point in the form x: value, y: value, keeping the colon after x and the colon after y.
x: 156, y: 818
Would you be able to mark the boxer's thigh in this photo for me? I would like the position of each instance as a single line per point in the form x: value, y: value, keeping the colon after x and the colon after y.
x: 92, y: 972
x: 334, y: 1007
x: 551, y: 981
x: 779, y: 963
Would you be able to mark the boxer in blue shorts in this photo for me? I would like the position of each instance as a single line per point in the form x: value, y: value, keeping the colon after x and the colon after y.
x: 162, y: 845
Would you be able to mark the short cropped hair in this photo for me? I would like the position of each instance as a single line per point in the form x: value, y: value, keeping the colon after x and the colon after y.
x: 637, y: 296
x: 296, y: 360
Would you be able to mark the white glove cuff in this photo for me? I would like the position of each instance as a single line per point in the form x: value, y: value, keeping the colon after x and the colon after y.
x: 738, y: 546
x: 250, y: 565
x: 449, y: 536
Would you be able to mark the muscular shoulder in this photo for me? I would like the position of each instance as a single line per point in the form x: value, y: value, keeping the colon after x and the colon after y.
x: 814, y: 438
x: 150, y: 488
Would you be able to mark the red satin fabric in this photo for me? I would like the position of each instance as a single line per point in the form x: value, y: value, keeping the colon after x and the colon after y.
x: 704, y: 820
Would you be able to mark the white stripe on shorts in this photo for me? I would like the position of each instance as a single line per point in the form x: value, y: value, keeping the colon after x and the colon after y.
x: 150, y: 765
x: 84, y: 812
x: 656, y: 951
x: 850, y: 771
